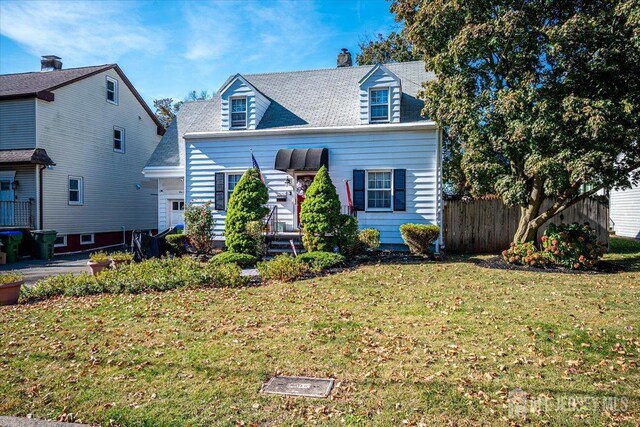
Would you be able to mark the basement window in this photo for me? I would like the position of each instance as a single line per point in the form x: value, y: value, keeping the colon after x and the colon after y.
x: 61, y: 242
x: 87, y: 239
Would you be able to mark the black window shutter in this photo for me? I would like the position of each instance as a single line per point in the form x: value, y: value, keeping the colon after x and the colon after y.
x: 399, y: 189
x: 358, y: 189
x: 220, y: 186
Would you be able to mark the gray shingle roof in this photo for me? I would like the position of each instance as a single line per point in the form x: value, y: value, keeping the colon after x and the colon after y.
x: 170, y: 150
x: 313, y: 98
x: 36, y: 156
x: 34, y: 82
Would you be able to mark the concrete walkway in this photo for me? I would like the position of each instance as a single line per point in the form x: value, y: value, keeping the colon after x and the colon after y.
x: 29, y: 422
x: 37, y: 269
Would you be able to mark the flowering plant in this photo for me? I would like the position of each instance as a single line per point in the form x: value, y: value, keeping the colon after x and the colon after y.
x: 573, y: 246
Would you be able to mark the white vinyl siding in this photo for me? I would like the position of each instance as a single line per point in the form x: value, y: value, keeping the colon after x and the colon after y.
x: 624, y: 211
x: 76, y: 190
x: 116, y: 194
x: 413, y: 150
x: 378, y: 189
x: 17, y: 124
x: 118, y: 139
x: 112, y: 90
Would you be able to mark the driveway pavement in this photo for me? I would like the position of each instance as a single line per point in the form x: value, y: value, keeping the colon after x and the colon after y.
x: 27, y: 422
x: 36, y: 269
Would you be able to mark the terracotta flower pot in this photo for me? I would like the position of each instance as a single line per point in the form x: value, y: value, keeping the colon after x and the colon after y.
x: 10, y: 292
x: 97, y: 267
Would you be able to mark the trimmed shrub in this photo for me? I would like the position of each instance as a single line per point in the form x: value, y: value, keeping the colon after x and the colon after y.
x: 319, y: 261
x: 246, y: 205
x: 10, y: 277
x: 419, y: 237
x: 199, y: 222
x: 320, y: 214
x: 254, y: 231
x: 573, y: 246
x: 149, y: 275
x: 526, y: 254
x: 121, y: 256
x: 243, y: 260
x: 282, y: 268
x: 369, y: 238
x: 347, y: 235
x: 99, y: 257
x: 176, y: 243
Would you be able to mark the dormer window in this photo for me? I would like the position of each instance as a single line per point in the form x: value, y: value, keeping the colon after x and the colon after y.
x: 239, y: 113
x: 379, y: 105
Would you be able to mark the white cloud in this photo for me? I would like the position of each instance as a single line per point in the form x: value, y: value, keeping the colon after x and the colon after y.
x: 273, y: 33
x: 83, y: 32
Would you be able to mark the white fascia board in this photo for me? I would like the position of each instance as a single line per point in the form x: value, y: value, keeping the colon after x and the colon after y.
x: 383, y: 127
x: 163, y: 172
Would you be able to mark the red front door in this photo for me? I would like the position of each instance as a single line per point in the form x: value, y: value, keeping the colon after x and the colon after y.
x: 302, y: 184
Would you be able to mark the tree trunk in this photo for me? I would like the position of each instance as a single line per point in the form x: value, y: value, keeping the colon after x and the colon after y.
x: 528, y: 226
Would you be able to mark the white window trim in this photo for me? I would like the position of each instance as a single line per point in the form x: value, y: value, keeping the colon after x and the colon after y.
x: 388, y: 119
x: 226, y: 186
x: 122, y: 139
x: 93, y: 239
x: 246, y: 112
x: 63, y: 244
x: 366, y: 191
x: 80, y: 190
x: 115, y: 91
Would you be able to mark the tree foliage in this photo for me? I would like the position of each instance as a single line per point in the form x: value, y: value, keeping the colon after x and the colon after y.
x: 167, y: 108
x: 246, y: 205
x: 544, y: 96
x: 383, y: 50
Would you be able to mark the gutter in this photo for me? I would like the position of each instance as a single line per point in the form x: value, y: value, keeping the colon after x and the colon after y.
x: 387, y: 127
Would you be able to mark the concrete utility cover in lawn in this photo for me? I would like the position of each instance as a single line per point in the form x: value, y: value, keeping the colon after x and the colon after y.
x: 299, y: 386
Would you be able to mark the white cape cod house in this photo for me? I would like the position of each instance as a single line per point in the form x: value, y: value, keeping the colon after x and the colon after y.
x: 363, y: 123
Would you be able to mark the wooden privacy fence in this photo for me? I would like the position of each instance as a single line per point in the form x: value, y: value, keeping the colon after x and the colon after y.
x: 481, y: 226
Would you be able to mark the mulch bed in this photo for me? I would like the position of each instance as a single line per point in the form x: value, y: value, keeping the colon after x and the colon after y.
x: 602, y: 267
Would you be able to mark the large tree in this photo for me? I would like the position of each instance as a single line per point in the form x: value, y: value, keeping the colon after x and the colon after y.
x: 167, y: 108
x: 383, y: 50
x: 544, y: 96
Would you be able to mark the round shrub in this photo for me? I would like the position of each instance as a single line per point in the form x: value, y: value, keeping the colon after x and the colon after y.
x: 199, y: 222
x: 246, y: 204
x: 347, y: 235
x: 369, y: 238
x: 419, y: 237
x: 573, y: 246
x: 319, y: 261
x: 282, y: 268
x: 243, y: 260
x: 320, y: 214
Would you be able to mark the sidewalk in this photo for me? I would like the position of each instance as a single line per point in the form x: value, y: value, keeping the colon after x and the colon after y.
x: 29, y: 422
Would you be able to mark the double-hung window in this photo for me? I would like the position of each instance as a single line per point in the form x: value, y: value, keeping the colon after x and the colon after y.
x: 239, y: 113
x: 232, y: 181
x: 76, y: 190
x: 112, y: 90
x: 379, y: 105
x: 379, y: 190
x: 118, y: 139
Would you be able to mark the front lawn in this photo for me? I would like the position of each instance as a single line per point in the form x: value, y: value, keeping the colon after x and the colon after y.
x: 431, y: 343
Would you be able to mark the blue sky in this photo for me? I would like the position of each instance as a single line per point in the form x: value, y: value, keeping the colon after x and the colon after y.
x: 169, y: 48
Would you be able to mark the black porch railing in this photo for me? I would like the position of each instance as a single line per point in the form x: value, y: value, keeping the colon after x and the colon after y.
x: 271, y: 220
x: 17, y: 214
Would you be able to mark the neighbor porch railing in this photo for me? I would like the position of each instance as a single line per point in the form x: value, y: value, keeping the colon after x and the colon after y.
x: 17, y: 214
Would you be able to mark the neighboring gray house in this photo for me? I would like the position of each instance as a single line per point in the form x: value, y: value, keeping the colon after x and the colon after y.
x: 72, y: 144
x: 624, y: 211
x: 364, y: 123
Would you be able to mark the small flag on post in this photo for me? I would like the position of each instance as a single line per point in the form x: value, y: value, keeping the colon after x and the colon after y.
x: 349, y: 201
x: 255, y: 165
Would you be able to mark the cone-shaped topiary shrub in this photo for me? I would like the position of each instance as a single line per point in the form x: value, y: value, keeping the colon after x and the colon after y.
x: 320, y: 214
x: 246, y: 204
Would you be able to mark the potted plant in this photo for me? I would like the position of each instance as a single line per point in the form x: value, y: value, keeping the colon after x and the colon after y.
x: 118, y: 258
x: 98, y: 261
x: 10, y: 284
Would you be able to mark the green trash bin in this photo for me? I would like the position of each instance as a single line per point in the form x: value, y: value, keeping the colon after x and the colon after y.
x: 11, y: 242
x: 45, y: 239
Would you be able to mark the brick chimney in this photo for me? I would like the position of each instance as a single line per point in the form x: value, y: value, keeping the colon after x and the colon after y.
x: 344, y: 58
x: 50, y: 63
